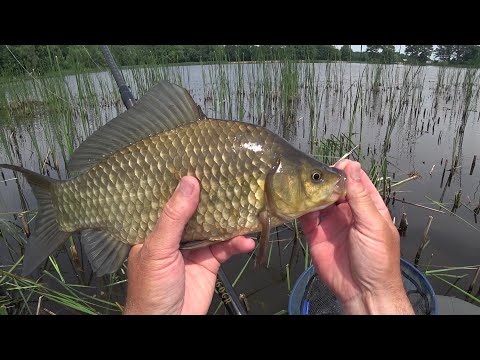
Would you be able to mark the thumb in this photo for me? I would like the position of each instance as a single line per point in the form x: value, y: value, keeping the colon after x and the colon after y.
x: 363, y: 208
x: 165, y: 237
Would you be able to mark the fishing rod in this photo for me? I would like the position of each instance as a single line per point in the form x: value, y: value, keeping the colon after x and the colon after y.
x: 223, y: 286
x: 125, y: 93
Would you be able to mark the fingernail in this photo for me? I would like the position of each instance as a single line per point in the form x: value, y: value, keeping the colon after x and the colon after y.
x: 185, y: 187
x: 356, y: 173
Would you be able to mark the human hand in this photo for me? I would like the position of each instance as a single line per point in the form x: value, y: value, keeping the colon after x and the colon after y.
x: 164, y: 280
x: 355, y: 248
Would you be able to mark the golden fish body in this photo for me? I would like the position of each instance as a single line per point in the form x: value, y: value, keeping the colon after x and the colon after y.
x: 125, y: 193
x: 250, y: 178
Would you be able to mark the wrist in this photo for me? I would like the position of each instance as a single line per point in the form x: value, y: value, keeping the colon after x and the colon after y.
x: 150, y: 308
x: 384, y: 302
x: 148, y: 311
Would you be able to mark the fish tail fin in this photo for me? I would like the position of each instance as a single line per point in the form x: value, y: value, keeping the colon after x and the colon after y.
x: 47, y: 236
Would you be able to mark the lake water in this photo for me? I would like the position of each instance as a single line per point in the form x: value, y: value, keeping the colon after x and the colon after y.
x: 425, y: 109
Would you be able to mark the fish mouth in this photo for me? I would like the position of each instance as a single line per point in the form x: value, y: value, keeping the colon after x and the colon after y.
x: 340, y: 186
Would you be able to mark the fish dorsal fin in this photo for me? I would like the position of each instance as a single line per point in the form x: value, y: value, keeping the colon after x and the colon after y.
x: 104, y: 251
x: 163, y: 107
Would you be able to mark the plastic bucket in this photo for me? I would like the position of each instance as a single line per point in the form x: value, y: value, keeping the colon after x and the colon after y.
x: 311, y: 297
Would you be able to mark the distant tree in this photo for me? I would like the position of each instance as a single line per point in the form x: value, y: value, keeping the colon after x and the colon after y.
x: 419, y: 53
x: 266, y: 52
x: 445, y: 53
x: 305, y: 52
x: 27, y: 56
x: 298, y: 51
x: 382, y: 53
x: 48, y: 58
x: 467, y: 54
x: 373, y: 51
x: 232, y: 53
x: 246, y: 52
x: 388, y: 54
x: 7, y: 62
x: 76, y: 57
x: 346, y: 53
x: 335, y: 53
x: 359, y: 56
x: 206, y: 52
x: 327, y: 52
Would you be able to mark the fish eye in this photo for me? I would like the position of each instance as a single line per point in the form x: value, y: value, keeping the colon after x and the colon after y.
x: 316, y: 176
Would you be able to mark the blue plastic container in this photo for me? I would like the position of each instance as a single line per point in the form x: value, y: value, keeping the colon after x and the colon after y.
x: 302, y: 299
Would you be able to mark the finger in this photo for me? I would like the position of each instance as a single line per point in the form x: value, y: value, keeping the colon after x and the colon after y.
x: 326, y: 224
x: 371, y: 189
x: 310, y: 221
x: 134, y: 251
x: 238, y: 245
x: 211, y: 257
x: 343, y: 163
x: 166, y: 235
x: 364, y: 210
x: 375, y: 196
x: 335, y: 221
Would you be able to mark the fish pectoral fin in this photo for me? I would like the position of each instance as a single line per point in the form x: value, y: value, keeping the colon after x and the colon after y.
x: 265, y: 221
x: 195, y: 244
x: 105, y: 251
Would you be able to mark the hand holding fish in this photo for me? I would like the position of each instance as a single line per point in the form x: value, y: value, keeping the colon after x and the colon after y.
x: 164, y: 280
x: 356, y: 249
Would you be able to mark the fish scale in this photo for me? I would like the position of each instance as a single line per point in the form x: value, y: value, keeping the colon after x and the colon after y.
x: 112, y: 195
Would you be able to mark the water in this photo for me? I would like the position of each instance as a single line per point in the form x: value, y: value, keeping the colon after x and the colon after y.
x: 422, y: 108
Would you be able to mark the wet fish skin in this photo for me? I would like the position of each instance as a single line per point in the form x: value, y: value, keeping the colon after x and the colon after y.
x: 125, y: 194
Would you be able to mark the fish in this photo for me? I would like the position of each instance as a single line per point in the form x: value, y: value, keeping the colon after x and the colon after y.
x: 123, y: 174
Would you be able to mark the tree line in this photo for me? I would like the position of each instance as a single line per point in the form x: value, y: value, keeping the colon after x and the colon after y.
x: 47, y: 58
x: 443, y: 54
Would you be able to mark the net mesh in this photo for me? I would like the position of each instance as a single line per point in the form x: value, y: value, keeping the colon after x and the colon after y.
x: 317, y: 299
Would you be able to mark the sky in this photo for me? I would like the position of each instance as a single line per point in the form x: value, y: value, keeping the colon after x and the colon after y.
x: 356, y: 48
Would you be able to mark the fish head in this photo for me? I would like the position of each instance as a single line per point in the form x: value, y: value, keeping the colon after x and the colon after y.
x: 303, y: 184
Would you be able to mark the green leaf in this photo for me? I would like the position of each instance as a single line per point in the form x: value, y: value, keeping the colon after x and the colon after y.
x: 459, y: 289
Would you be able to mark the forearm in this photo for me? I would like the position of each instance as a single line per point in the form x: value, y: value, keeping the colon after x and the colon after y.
x: 393, y: 302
